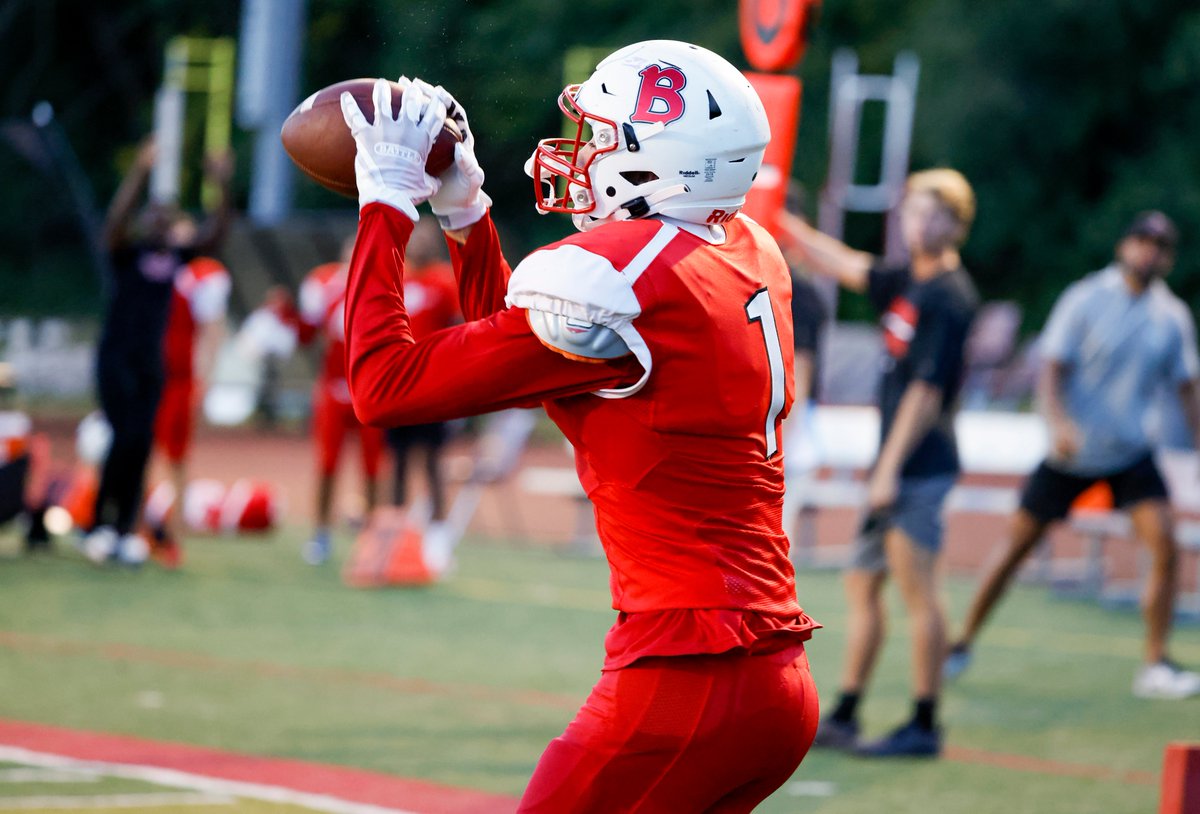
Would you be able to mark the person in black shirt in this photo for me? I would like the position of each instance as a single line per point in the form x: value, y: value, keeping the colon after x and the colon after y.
x: 146, y: 247
x: 926, y: 307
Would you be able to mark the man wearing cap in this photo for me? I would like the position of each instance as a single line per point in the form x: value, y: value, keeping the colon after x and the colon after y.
x: 1113, y: 339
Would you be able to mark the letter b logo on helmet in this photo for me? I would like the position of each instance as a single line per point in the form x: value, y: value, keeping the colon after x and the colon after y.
x: 659, y: 98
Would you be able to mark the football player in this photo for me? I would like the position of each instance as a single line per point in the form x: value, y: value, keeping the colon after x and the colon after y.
x: 195, y: 328
x: 322, y: 297
x: 659, y: 340
x: 431, y: 300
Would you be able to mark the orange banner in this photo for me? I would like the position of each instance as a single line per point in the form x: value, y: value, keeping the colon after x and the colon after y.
x: 781, y: 97
x: 775, y: 32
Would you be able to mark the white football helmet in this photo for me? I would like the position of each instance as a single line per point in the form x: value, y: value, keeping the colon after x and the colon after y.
x: 662, y: 127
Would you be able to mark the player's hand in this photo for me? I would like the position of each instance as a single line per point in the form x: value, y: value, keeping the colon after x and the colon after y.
x: 1064, y: 440
x: 882, y: 490
x: 461, y: 201
x: 390, y: 164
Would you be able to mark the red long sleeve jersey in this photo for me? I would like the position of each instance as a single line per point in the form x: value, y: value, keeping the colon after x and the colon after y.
x: 683, y: 464
x: 200, y: 297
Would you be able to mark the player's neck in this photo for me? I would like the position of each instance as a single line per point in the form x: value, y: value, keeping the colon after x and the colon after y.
x: 1136, y: 283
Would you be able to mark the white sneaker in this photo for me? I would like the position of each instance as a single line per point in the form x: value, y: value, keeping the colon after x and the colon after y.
x: 100, y: 544
x: 133, y: 550
x: 437, y: 544
x: 1165, y: 680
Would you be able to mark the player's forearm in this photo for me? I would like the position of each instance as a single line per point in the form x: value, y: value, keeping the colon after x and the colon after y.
x: 827, y: 256
x: 378, y: 335
x: 213, y: 230
x: 1049, y: 392
x: 477, y: 367
x: 480, y: 269
x: 120, y: 211
x: 919, y: 410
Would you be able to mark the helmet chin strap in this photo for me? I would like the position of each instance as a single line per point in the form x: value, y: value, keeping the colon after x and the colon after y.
x: 639, y: 207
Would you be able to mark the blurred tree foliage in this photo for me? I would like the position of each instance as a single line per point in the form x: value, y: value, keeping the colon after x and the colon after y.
x: 1068, y: 116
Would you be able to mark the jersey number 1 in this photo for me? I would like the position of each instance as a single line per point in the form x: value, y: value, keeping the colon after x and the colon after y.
x: 758, y: 309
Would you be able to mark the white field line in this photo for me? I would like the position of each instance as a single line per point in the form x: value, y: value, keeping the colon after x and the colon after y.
x: 148, y: 800
x: 196, y: 782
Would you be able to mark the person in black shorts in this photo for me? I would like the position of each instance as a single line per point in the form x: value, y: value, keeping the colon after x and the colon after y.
x: 926, y: 307
x: 146, y: 247
x: 1113, y: 341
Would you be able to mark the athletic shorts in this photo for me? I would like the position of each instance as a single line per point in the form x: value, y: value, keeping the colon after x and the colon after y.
x: 431, y: 435
x: 175, y: 420
x: 1049, y: 492
x: 917, y: 512
x: 332, y: 419
x: 665, y: 735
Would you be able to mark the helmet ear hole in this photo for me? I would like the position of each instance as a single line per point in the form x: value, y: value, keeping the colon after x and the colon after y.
x: 610, y: 192
x: 639, y: 177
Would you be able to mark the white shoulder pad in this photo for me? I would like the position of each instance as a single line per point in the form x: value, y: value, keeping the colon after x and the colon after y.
x: 574, y: 282
x: 580, y: 304
x: 576, y: 337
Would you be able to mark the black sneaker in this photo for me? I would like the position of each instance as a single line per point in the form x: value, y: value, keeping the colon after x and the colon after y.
x: 833, y: 734
x: 909, y: 740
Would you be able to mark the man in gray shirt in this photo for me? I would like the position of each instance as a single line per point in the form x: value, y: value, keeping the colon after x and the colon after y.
x: 1113, y: 340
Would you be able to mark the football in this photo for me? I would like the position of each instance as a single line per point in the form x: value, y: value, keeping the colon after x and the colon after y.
x: 316, y: 136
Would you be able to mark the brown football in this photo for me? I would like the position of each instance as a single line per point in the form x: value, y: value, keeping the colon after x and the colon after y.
x: 316, y: 136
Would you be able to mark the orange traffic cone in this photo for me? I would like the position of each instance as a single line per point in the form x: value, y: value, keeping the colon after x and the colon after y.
x: 1180, y: 779
x: 389, y: 551
x: 1096, y: 498
x: 79, y: 499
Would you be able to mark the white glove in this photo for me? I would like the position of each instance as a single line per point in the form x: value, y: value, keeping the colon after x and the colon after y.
x: 461, y: 200
x: 390, y: 164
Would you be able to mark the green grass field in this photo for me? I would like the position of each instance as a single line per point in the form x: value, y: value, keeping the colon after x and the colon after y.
x: 248, y: 649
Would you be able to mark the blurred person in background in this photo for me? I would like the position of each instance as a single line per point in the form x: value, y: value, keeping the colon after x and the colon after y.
x: 24, y: 460
x: 1113, y: 341
x: 195, y: 329
x: 659, y: 340
x: 269, y: 335
x: 801, y: 446
x: 322, y: 302
x: 148, y: 248
x: 926, y: 308
x: 431, y: 298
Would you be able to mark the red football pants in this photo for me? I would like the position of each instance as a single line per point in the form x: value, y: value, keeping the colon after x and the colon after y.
x: 175, y: 420
x: 681, y: 734
x: 332, y: 419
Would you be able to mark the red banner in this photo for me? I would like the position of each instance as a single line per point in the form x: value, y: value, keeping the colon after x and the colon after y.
x: 781, y: 97
x: 774, y: 32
